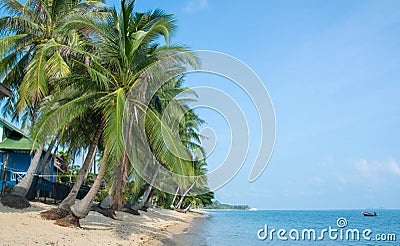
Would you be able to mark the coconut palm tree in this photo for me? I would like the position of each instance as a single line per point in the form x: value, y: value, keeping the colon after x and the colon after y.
x: 125, y: 47
x: 169, y: 106
x: 33, y: 51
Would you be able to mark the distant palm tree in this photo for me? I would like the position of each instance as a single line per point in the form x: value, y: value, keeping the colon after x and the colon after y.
x: 165, y: 98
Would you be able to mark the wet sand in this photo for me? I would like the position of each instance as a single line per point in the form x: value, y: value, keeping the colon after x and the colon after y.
x: 193, y: 235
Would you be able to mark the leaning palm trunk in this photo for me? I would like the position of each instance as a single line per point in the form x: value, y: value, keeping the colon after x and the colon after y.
x: 176, y: 194
x: 43, y: 163
x: 70, y: 199
x: 187, y: 208
x: 47, y: 155
x: 118, y: 186
x: 106, y: 202
x: 132, y: 201
x: 21, y: 189
x: 80, y: 209
x: 179, y: 205
x: 147, y: 193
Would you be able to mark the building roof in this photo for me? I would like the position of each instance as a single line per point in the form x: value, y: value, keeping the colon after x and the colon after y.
x: 23, y: 143
x: 15, y: 139
x: 4, y: 91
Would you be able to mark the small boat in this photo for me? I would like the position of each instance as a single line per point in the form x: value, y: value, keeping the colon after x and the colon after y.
x: 370, y: 214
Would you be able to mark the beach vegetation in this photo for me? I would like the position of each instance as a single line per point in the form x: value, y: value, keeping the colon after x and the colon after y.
x: 72, y: 66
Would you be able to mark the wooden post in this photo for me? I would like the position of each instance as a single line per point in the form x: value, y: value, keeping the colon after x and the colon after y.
x: 4, y: 174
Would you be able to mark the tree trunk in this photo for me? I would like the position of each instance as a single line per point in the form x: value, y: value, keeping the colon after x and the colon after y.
x: 43, y: 162
x: 21, y: 189
x: 70, y: 199
x: 116, y: 198
x: 90, y: 165
x: 4, y: 174
x: 47, y: 154
x: 81, y: 208
x: 147, y: 193
x: 187, y: 208
x: 179, y: 205
x: 173, y: 201
x: 150, y: 199
x: 106, y: 202
x: 130, y: 204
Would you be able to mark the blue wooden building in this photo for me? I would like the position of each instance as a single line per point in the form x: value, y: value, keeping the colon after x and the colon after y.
x: 16, y: 152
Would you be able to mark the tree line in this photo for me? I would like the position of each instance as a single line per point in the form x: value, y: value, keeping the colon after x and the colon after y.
x: 73, y: 66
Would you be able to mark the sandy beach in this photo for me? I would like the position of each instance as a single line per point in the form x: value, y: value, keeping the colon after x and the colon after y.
x: 26, y: 227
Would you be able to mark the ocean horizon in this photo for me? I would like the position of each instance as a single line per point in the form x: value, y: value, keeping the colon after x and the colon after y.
x: 292, y: 227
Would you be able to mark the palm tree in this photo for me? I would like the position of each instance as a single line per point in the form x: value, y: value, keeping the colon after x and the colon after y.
x: 171, y: 108
x: 81, y: 208
x: 124, y: 50
x: 199, y: 184
x: 34, y: 50
x: 189, y: 126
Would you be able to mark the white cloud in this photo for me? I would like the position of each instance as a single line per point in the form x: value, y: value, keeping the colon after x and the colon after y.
x: 375, y: 168
x: 195, y: 5
x: 364, y: 167
x: 394, y: 167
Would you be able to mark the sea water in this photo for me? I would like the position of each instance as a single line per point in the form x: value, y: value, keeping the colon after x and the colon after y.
x: 292, y: 227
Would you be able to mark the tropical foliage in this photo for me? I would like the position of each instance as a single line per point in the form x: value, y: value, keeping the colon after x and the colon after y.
x: 73, y: 67
x: 34, y: 50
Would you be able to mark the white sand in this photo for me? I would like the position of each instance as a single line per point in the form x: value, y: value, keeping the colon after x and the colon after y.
x: 26, y: 227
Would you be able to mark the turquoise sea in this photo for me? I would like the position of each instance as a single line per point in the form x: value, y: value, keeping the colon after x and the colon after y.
x: 331, y: 227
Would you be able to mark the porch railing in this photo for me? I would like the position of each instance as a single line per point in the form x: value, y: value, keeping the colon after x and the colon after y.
x: 17, y: 176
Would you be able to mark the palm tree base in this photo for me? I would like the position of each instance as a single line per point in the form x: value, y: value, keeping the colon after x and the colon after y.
x: 108, y: 212
x: 15, y: 201
x: 54, y: 214
x: 130, y: 211
x: 69, y: 221
x: 138, y: 207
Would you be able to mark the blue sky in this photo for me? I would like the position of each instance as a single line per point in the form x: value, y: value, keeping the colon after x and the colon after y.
x: 332, y: 69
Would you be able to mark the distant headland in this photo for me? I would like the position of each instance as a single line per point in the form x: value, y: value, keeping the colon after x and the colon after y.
x: 217, y: 205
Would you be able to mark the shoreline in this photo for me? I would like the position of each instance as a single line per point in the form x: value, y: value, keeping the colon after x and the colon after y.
x: 190, y: 235
x: 26, y: 227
